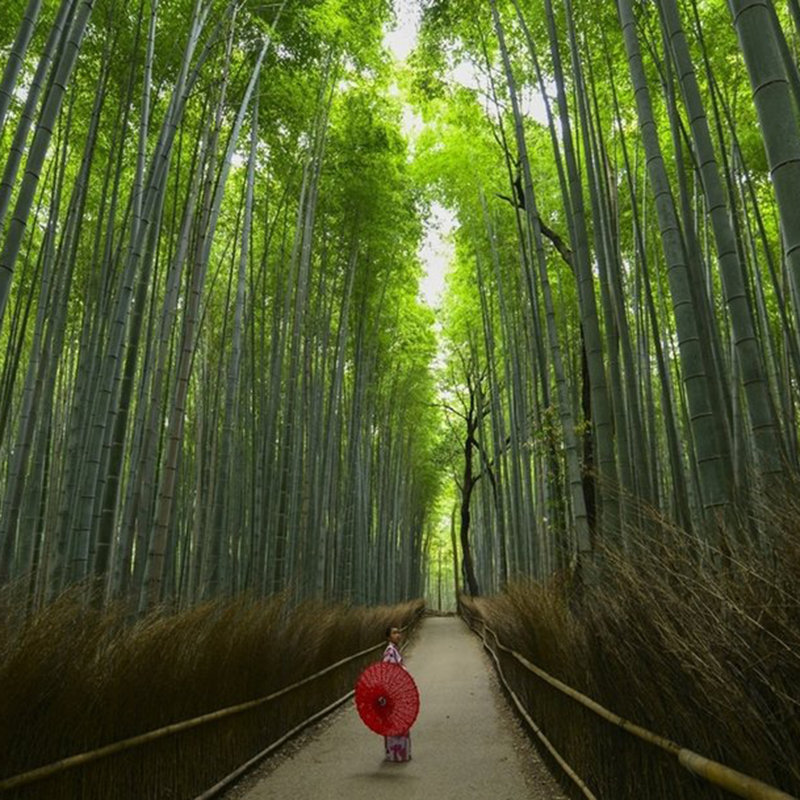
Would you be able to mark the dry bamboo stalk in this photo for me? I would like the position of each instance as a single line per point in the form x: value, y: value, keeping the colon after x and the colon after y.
x: 577, y: 780
x: 648, y: 736
x: 711, y: 771
x: 48, y: 770
x: 231, y: 777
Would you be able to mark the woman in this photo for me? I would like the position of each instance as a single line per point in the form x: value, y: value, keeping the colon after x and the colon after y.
x: 398, y: 748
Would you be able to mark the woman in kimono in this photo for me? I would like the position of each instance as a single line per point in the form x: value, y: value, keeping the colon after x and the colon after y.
x: 398, y: 748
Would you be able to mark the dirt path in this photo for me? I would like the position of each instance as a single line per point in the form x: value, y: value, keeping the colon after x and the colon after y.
x: 466, y: 744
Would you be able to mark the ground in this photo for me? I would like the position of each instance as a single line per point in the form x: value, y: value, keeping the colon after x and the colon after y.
x: 466, y: 743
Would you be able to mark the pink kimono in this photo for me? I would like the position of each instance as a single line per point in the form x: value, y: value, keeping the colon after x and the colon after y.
x: 398, y: 748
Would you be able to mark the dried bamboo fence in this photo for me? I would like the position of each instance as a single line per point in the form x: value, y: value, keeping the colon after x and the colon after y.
x: 178, y: 760
x: 712, y: 772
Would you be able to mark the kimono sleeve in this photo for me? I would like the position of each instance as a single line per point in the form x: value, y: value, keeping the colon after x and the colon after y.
x: 392, y: 655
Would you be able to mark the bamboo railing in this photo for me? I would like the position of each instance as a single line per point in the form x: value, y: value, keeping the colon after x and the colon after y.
x: 713, y: 772
x: 82, y: 759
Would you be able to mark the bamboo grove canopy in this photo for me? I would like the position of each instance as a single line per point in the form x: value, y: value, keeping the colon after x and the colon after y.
x: 217, y: 371
x: 213, y: 346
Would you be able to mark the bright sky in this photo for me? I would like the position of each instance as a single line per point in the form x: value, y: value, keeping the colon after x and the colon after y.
x: 436, y: 250
x: 436, y: 253
x: 402, y: 39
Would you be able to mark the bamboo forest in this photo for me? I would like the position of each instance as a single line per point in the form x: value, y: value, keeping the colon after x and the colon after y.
x: 318, y: 316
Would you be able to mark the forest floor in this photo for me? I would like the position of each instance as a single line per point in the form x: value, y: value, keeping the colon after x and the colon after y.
x: 466, y: 743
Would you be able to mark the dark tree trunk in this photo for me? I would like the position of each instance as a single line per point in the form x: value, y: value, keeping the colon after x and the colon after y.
x: 466, y: 494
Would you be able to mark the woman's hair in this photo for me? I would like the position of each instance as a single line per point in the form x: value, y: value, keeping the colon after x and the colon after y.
x: 389, y: 629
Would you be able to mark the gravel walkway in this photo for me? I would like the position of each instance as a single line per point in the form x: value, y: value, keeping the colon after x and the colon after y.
x: 466, y: 743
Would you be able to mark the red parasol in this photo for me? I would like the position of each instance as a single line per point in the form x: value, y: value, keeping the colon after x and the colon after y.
x: 387, y: 699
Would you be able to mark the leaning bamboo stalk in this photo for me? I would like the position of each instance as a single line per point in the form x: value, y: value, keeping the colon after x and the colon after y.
x: 38, y: 151
x: 215, y: 573
x: 117, y: 422
x: 156, y: 555
x: 26, y: 117
x: 17, y: 56
x: 39, y: 350
x: 608, y: 215
x: 649, y: 311
x: 91, y: 472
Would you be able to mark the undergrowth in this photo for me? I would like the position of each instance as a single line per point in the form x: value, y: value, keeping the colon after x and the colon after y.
x: 696, y: 645
x: 73, y: 679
